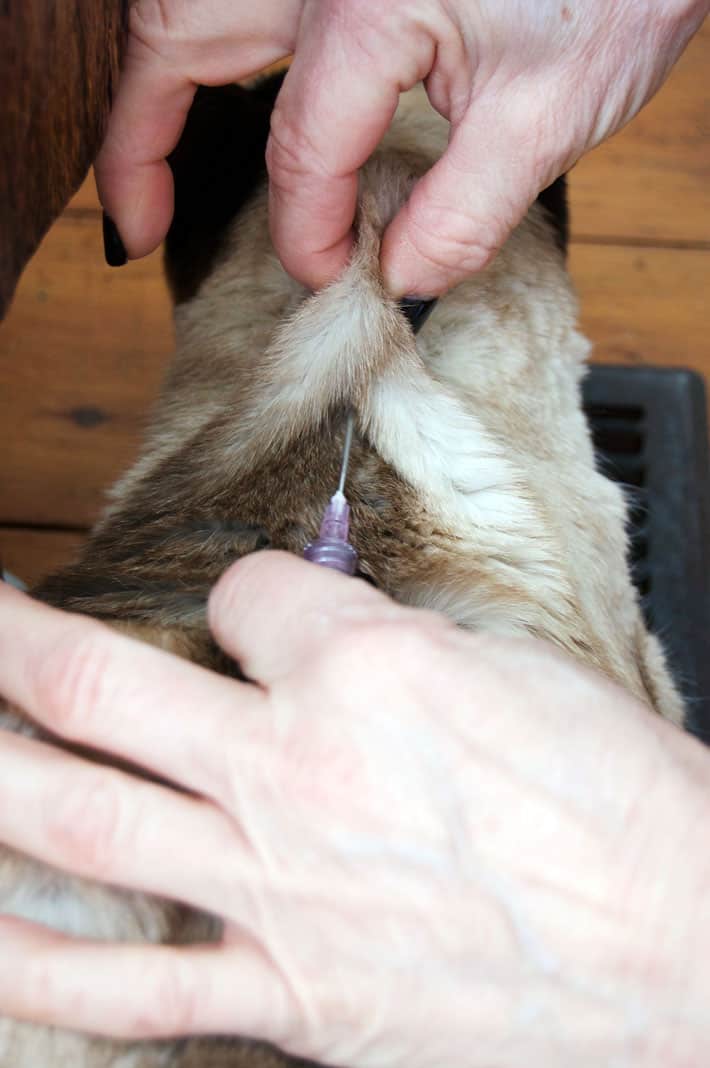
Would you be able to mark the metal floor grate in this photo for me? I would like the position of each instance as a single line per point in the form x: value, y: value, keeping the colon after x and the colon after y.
x: 650, y: 433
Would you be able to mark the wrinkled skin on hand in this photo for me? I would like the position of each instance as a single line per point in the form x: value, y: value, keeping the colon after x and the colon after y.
x: 528, y: 85
x: 428, y: 846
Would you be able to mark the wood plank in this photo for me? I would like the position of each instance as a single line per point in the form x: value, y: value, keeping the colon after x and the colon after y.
x: 86, y: 199
x: 652, y: 180
x: 82, y: 353
x: 81, y: 357
x: 32, y: 554
x: 644, y: 304
x: 649, y: 182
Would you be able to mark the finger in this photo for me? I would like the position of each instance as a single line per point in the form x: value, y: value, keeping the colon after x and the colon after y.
x: 333, y: 109
x: 274, y: 610
x: 171, y: 49
x: 164, y: 991
x: 89, y: 684
x: 133, y: 179
x: 102, y: 824
x: 462, y: 211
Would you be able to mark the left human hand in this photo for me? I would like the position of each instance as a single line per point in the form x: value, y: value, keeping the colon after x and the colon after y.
x: 429, y: 847
x: 173, y: 46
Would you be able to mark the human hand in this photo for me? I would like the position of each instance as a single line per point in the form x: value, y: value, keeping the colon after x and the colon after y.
x: 429, y: 847
x: 528, y: 86
x: 173, y: 46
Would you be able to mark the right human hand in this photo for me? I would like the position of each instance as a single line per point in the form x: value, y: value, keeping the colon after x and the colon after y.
x: 430, y: 848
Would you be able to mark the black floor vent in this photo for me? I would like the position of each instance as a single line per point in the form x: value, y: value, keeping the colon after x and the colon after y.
x: 650, y: 432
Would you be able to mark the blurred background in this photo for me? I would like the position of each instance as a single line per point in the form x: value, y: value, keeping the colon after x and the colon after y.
x: 83, y: 348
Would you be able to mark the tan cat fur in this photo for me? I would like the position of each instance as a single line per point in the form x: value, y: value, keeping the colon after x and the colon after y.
x: 473, y: 487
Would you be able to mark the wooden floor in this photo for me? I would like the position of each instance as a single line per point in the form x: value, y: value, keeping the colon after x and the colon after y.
x: 83, y: 349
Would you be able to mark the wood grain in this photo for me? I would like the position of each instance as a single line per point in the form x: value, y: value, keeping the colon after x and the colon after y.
x: 83, y: 352
x: 83, y: 349
x: 651, y: 182
x: 32, y: 554
x: 644, y: 305
x: 81, y: 357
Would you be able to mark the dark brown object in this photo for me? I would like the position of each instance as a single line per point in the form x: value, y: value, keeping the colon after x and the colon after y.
x: 80, y: 334
x: 114, y: 249
x: 58, y: 65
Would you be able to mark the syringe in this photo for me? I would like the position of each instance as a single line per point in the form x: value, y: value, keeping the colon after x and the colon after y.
x: 332, y: 548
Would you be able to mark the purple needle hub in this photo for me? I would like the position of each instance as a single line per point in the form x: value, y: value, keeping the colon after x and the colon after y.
x: 332, y: 548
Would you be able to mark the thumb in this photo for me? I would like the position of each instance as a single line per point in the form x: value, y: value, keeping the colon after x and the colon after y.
x: 463, y: 209
x: 272, y: 612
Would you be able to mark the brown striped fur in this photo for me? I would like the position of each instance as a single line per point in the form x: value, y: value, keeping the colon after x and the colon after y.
x: 473, y: 484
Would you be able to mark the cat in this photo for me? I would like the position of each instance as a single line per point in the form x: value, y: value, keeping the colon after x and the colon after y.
x: 472, y: 479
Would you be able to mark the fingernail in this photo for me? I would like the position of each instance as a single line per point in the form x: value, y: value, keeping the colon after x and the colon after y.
x: 417, y: 310
x: 114, y: 249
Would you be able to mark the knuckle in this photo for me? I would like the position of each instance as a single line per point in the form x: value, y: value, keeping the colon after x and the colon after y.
x: 385, y: 645
x: 234, y: 591
x: 70, y: 683
x: 385, y: 42
x: 286, y: 148
x: 172, y: 999
x: 150, y: 19
x: 87, y: 823
x: 417, y: 637
x: 348, y: 646
x: 336, y: 1008
x: 36, y: 981
x: 372, y: 22
x: 220, y: 767
x: 445, y: 237
x: 291, y: 152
